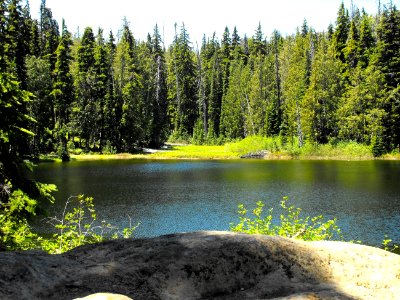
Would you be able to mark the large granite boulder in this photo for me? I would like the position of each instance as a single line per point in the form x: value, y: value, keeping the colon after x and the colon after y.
x: 205, y: 265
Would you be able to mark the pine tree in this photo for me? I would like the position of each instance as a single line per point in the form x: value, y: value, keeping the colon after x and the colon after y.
x: 340, y: 35
x: 367, y: 41
x: 63, y: 91
x: 49, y: 34
x: 112, y: 112
x: 39, y: 82
x: 322, y: 96
x: 3, y: 24
x: 17, y: 41
x: 258, y: 45
x: 388, y: 60
x: 350, y: 52
x: 182, y: 86
x: 159, y: 122
x: 226, y: 45
x: 129, y: 92
x: 295, y: 81
x: 235, y: 38
x: 34, y: 45
x: 102, y: 71
x: 232, y: 119
x: 86, y: 86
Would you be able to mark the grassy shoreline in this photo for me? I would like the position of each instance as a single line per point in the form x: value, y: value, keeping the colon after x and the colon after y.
x: 273, y: 147
x: 192, y: 152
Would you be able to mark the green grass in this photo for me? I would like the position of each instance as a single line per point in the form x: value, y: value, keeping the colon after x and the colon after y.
x: 274, y: 146
x: 341, y: 151
x: 194, y: 152
x: 106, y: 156
x: 254, y: 144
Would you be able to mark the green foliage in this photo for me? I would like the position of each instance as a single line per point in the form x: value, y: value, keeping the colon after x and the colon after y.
x: 291, y: 224
x: 254, y: 143
x: 77, y: 227
x: 15, y: 232
x: 387, y: 244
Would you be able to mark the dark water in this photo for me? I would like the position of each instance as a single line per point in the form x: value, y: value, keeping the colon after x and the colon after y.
x: 177, y: 196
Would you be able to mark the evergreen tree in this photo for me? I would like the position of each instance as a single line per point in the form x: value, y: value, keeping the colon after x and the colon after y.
x: 226, y: 45
x: 388, y: 60
x: 17, y: 41
x: 112, y: 110
x: 351, y: 54
x: 367, y: 41
x: 128, y: 92
x: 235, y: 38
x: 39, y: 82
x: 182, y: 86
x: 232, y: 118
x: 3, y: 23
x: 322, y: 97
x: 159, y: 122
x: 49, y: 34
x: 340, y: 35
x: 63, y: 91
x: 258, y: 43
x: 102, y: 73
x: 86, y: 87
x: 295, y: 81
x: 34, y: 45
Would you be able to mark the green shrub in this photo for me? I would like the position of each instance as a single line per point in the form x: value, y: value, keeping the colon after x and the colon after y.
x: 109, y: 148
x: 254, y: 143
x: 291, y: 224
x: 77, y: 227
x: 388, y: 245
x: 15, y: 232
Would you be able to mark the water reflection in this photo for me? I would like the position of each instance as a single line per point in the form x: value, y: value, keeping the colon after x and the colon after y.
x: 175, y: 196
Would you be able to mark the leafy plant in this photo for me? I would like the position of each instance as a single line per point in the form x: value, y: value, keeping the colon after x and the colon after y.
x: 387, y: 244
x: 15, y: 206
x: 291, y: 223
x: 77, y: 226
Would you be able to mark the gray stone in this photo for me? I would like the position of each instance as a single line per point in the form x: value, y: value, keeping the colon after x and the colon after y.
x: 204, y: 265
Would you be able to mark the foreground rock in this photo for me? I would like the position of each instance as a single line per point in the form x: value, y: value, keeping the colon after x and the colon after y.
x: 205, y: 265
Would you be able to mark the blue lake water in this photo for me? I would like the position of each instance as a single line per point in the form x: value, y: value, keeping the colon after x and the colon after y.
x: 179, y: 196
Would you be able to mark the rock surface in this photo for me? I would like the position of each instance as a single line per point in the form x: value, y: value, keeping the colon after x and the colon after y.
x: 258, y: 154
x: 205, y: 265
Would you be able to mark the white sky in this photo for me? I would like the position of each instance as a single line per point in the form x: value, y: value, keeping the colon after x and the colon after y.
x: 200, y: 17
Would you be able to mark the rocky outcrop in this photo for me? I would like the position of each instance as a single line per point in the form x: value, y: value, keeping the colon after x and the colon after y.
x: 257, y: 155
x: 205, y: 265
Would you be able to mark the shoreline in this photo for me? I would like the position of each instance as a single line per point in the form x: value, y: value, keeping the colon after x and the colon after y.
x: 182, y: 155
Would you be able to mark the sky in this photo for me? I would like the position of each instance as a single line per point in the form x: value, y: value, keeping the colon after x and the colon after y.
x: 200, y: 17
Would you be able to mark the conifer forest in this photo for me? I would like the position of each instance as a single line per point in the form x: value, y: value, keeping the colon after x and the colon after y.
x: 111, y: 92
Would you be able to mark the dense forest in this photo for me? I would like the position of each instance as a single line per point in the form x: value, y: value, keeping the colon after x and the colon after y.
x: 108, y: 94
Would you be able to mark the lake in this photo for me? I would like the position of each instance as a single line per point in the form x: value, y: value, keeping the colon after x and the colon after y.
x: 179, y: 196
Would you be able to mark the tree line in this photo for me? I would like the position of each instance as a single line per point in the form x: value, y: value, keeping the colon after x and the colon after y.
x: 116, y: 94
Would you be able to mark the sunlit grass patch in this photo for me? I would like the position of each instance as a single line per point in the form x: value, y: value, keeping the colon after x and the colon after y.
x: 342, y: 150
x: 253, y: 144
x: 105, y: 156
x: 194, y: 152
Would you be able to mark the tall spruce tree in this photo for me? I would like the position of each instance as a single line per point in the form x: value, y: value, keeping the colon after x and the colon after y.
x: 63, y: 91
x: 388, y: 49
x: 322, y: 96
x: 86, y: 87
x: 340, y: 35
x: 159, y: 123
x: 182, y: 85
